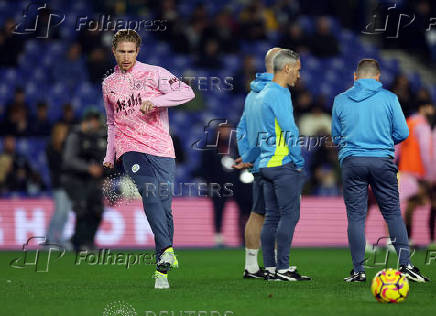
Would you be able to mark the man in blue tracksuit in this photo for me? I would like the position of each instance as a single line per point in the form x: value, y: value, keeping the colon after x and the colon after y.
x: 367, y: 122
x: 246, y: 137
x: 271, y: 119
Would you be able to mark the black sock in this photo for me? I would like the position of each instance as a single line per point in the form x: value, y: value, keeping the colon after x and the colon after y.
x: 432, y: 222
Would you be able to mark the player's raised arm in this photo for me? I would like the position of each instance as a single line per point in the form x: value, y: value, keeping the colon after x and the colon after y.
x: 174, y: 92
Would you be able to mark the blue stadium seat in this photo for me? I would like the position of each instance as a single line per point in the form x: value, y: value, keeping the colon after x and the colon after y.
x: 231, y: 62
x: 6, y: 91
x: 181, y: 62
x: 432, y: 90
x: 415, y: 80
x: 306, y: 23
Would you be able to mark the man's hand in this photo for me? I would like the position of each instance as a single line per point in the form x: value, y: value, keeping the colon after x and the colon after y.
x: 95, y: 170
x: 109, y: 165
x: 146, y: 107
x: 239, y: 165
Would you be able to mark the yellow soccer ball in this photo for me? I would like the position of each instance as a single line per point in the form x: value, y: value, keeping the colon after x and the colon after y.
x: 390, y: 286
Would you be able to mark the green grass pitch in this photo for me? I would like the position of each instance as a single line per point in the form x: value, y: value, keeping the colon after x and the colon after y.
x: 208, y: 282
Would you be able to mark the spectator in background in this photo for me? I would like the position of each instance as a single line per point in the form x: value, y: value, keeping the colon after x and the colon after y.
x: 167, y: 11
x: 62, y: 204
x: 16, y: 120
x: 402, y: 88
x: 19, y: 175
x: 303, y: 104
x: 11, y: 43
x: 267, y: 14
x: 293, y: 38
x: 323, y: 43
x: 210, y: 55
x: 68, y: 116
x: 97, y: 65
x: 324, y: 166
x: 415, y: 160
x: 72, y: 70
x: 6, y: 161
x: 90, y: 39
x: 192, y: 33
x: 286, y: 10
x: 216, y: 168
x: 315, y: 122
x: 200, y: 12
x: 245, y: 75
x: 253, y: 26
x: 421, y: 96
x: 223, y: 31
x: 41, y: 125
x: 82, y: 177
x: 179, y: 40
x: 413, y: 38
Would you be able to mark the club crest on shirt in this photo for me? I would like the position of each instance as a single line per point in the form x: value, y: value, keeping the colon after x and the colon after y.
x: 135, y: 168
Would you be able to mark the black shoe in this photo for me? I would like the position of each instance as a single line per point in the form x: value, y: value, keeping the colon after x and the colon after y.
x: 291, y: 275
x: 413, y: 274
x: 356, y: 277
x: 271, y: 276
x: 259, y: 274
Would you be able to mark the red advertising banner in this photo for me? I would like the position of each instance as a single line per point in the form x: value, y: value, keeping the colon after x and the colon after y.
x: 323, y: 223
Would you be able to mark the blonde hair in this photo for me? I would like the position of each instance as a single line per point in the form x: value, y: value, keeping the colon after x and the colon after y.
x: 126, y: 35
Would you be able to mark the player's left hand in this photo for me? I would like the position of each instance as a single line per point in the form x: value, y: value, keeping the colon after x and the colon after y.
x: 147, y: 107
x: 239, y: 164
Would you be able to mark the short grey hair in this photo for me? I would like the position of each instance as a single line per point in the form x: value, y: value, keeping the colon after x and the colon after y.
x: 270, y: 54
x: 367, y: 67
x: 284, y: 57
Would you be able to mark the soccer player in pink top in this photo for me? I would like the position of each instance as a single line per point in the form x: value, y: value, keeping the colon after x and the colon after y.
x: 136, y: 99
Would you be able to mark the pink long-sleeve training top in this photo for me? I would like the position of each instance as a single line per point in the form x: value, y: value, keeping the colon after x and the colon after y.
x: 128, y: 128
